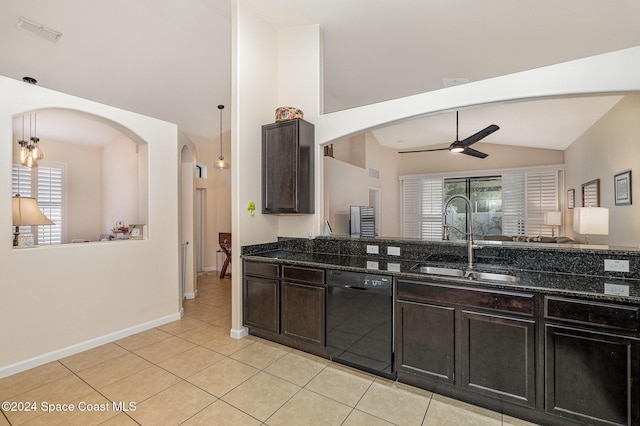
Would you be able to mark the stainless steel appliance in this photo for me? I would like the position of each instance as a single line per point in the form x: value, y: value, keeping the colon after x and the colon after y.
x: 360, y: 321
x: 362, y: 222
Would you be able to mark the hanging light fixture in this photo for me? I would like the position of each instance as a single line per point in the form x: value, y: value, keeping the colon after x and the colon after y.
x: 221, y: 163
x: 30, y: 151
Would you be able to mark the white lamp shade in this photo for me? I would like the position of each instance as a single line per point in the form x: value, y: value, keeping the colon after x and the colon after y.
x: 591, y: 220
x: 27, y: 213
x: 553, y: 218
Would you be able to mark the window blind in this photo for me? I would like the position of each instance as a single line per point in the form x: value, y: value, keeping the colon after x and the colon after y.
x: 21, y: 184
x: 46, y: 185
x: 541, y: 197
x: 50, y: 201
x: 422, y: 208
x: 513, y: 204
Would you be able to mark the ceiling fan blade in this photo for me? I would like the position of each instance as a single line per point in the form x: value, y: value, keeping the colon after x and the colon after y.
x: 424, y: 150
x: 478, y: 136
x: 472, y: 152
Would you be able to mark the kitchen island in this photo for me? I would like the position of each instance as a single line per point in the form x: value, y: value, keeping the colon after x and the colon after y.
x: 561, y: 345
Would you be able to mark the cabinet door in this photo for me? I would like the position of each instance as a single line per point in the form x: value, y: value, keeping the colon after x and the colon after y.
x: 303, y: 312
x: 592, y: 377
x: 280, y: 167
x: 261, y: 304
x: 498, y: 356
x: 425, y: 341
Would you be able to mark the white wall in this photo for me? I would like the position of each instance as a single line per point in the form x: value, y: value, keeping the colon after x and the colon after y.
x: 83, y: 191
x: 386, y: 161
x: 217, y: 188
x: 120, y: 184
x: 64, y: 299
x: 609, y: 147
x: 340, y: 196
x: 269, y: 69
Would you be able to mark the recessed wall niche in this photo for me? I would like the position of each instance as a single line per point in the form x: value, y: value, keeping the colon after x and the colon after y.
x: 92, y: 179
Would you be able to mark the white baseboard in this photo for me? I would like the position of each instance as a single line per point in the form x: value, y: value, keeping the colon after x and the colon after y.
x: 211, y: 269
x: 239, y: 333
x: 191, y: 295
x: 83, y: 346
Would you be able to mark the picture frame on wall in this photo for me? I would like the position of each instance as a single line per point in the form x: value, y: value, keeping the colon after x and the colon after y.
x: 571, y: 198
x: 138, y: 232
x: 622, y: 188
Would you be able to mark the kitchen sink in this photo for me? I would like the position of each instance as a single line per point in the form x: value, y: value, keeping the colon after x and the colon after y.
x: 461, y: 273
x: 435, y: 270
x: 490, y: 276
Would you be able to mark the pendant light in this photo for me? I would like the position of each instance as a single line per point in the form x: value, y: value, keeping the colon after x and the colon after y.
x: 221, y: 163
x: 30, y: 151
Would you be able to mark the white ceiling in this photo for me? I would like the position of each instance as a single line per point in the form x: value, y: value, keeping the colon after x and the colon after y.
x: 171, y: 59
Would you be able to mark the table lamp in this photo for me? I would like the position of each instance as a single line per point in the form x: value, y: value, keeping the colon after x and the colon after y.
x: 591, y: 221
x: 553, y: 219
x: 25, y: 212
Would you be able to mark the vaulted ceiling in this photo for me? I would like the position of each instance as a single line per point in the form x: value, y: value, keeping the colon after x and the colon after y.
x: 172, y: 59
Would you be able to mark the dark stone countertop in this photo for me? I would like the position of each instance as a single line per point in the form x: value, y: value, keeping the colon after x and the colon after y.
x: 552, y: 283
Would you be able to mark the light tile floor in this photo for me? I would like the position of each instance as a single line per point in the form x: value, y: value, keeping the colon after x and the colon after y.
x: 191, y: 372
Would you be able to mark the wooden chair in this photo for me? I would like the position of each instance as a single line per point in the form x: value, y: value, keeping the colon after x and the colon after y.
x: 224, y: 239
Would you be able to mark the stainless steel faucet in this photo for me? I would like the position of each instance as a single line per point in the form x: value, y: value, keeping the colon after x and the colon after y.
x: 469, y: 235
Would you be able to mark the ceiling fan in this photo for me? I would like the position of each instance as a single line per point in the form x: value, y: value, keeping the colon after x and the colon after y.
x: 464, y: 145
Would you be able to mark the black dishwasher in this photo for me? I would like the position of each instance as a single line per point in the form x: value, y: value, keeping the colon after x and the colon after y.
x: 360, y: 321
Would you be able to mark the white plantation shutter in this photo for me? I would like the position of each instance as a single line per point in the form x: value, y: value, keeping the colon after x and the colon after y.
x: 50, y: 202
x: 46, y: 184
x: 541, y: 197
x: 513, y: 204
x: 21, y: 184
x: 422, y: 208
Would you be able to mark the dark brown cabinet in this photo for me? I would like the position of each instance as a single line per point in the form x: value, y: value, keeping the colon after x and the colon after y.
x: 261, y: 301
x: 285, y: 304
x: 463, y: 339
x: 303, y: 305
x: 288, y: 167
x: 425, y: 344
x: 592, y: 361
x: 498, y: 356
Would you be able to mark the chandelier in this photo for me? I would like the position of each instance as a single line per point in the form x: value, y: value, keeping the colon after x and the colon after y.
x: 30, y: 152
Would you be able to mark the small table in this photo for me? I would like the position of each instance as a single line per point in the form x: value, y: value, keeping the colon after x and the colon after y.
x: 224, y: 239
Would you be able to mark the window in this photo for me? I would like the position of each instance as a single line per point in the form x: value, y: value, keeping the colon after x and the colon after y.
x: 485, y: 194
x: 46, y: 183
x: 201, y: 171
x: 512, y: 202
x: 422, y: 208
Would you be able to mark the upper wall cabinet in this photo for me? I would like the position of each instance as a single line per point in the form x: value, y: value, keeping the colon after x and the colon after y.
x: 287, y: 167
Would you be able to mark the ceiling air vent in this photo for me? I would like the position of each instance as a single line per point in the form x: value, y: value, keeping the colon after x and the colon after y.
x: 448, y: 82
x: 374, y: 173
x: 37, y: 29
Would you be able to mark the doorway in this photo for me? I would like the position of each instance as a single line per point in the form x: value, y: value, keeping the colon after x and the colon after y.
x: 199, y: 231
x: 374, y: 201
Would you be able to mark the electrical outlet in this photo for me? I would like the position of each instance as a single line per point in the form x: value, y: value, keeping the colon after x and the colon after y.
x: 613, y: 265
x: 616, y: 289
x: 372, y: 264
x: 393, y: 251
x: 393, y: 267
x: 372, y: 249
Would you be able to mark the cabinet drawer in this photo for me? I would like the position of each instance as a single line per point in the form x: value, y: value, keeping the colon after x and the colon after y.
x: 305, y: 275
x: 619, y: 317
x: 262, y: 269
x: 519, y: 303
